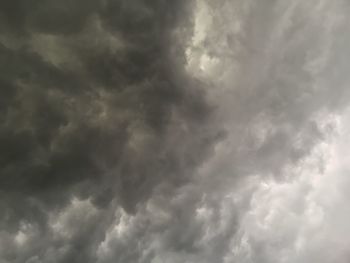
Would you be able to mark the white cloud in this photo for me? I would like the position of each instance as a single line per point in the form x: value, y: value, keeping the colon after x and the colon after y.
x: 306, y: 218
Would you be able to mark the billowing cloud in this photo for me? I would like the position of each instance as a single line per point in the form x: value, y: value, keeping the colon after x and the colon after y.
x: 174, y: 131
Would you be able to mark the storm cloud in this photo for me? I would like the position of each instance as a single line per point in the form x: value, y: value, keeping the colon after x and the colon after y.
x: 174, y: 131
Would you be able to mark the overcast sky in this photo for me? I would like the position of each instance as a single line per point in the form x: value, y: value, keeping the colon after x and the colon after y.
x: 174, y: 131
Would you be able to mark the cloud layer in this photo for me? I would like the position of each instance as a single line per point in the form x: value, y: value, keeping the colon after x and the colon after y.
x: 174, y: 131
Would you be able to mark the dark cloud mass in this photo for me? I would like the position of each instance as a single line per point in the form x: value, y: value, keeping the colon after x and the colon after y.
x: 175, y: 131
x: 94, y: 103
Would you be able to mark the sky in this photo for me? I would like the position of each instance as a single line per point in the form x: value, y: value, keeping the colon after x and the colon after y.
x: 183, y: 131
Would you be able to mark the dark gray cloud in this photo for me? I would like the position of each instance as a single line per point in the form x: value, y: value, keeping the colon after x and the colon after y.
x: 173, y: 131
x: 94, y: 105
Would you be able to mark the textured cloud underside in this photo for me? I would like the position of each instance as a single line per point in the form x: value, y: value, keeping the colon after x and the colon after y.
x: 210, y: 131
